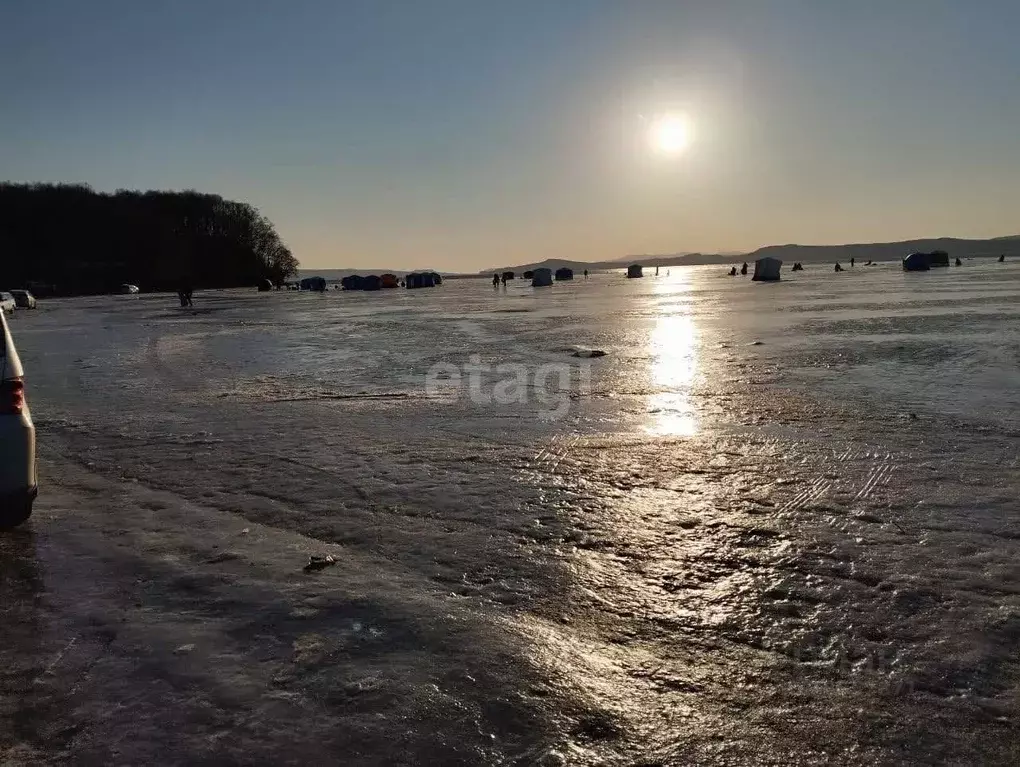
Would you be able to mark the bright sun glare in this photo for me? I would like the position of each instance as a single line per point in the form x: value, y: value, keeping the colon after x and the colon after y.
x: 670, y: 134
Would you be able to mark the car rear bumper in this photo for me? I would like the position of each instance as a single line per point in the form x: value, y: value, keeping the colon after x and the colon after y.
x: 18, y: 498
x: 17, y: 455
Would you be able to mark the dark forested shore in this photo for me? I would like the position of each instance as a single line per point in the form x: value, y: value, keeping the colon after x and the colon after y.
x: 67, y: 239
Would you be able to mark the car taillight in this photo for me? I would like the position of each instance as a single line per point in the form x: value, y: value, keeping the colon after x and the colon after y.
x: 12, y: 396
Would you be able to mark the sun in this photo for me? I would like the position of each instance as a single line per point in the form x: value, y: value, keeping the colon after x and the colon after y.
x: 670, y: 134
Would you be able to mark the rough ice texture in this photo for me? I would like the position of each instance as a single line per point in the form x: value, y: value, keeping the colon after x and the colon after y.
x: 780, y: 527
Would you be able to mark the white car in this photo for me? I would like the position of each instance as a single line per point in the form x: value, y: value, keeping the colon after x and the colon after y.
x: 7, y: 303
x: 18, y: 486
x: 24, y: 299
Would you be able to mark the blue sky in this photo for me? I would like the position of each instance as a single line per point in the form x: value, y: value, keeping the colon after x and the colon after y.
x: 466, y: 133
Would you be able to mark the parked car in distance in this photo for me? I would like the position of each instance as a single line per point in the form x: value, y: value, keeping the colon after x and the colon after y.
x: 7, y: 303
x: 18, y: 485
x: 128, y: 290
x: 23, y: 299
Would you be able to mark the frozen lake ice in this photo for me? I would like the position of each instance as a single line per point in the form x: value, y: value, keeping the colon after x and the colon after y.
x: 776, y: 523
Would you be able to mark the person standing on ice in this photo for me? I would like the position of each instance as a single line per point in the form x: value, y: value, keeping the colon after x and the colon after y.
x: 184, y: 292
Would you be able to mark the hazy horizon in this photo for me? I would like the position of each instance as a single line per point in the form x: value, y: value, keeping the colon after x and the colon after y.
x: 624, y: 259
x: 460, y: 135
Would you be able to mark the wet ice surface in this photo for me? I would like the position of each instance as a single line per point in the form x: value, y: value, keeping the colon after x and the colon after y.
x: 775, y: 524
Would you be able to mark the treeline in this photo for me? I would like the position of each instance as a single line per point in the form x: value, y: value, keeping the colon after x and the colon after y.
x: 70, y: 240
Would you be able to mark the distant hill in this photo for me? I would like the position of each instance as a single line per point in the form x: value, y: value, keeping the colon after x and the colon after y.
x: 808, y: 254
x: 889, y: 251
x: 621, y: 263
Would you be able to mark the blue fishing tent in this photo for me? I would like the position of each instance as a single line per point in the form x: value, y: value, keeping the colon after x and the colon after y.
x: 542, y: 278
x: 767, y: 269
x: 353, y: 282
x: 420, y: 280
x: 916, y: 262
x: 314, y: 283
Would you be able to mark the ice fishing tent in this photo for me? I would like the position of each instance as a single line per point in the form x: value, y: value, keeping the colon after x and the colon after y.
x: 437, y: 278
x: 528, y: 274
x: 314, y: 283
x: 916, y: 262
x: 353, y: 282
x: 389, y: 280
x: 564, y: 274
x: 420, y: 280
x: 938, y: 258
x: 541, y: 278
x: 372, y: 282
x: 767, y: 269
x: 507, y: 276
x: 265, y: 285
x: 634, y: 270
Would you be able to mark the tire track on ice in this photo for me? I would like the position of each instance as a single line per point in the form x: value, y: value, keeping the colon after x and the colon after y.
x: 554, y: 453
x: 815, y: 490
x: 878, y: 476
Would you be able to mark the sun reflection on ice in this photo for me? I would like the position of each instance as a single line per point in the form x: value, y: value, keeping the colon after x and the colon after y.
x: 673, y: 348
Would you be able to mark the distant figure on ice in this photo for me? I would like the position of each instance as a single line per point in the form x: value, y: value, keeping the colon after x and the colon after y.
x: 656, y: 271
x: 959, y: 262
x: 502, y: 279
x: 184, y: 295
x: 851, y: 262
x: 733, y: 271
x: 495, y: 281
x: 743, y: 269
x: 586, y: 274
x: 838, y: 267
x: 1002, y: 258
